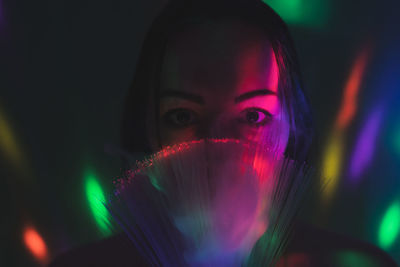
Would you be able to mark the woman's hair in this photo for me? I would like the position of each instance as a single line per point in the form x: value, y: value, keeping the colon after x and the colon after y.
x: 141, y: 108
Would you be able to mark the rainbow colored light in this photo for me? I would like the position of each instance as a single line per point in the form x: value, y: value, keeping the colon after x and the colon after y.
x: 334, y: 152
x: 96, y: 199
x: 35, y: 244
x: 390, y: 226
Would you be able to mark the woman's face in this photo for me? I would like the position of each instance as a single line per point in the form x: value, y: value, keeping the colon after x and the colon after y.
x: 220, y: 80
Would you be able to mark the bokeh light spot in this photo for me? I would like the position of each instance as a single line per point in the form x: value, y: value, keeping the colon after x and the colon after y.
x: 365, y: 144
x: 35, y: 243
x: 390, y: 226
x: 354, y: 258
x: 332, y: 165
x: 310, y: 13
x: 8, y: 143
x: 352, y: 89
x: 96, y: 199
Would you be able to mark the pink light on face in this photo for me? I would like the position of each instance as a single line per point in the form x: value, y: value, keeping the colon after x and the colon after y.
x: 365, y: 145
x: 35, y: 243
x: 351, y: 90
x: 250, y: 61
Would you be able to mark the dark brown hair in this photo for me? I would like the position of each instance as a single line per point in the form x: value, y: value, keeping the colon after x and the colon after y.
x: 141, y: 103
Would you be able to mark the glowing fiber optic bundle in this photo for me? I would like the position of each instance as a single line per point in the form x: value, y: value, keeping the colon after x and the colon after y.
x: 213, y: 202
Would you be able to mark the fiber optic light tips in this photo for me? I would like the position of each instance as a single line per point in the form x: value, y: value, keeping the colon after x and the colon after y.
x: 35, y: 244
x: 211, y: 202
x: 96, y: 199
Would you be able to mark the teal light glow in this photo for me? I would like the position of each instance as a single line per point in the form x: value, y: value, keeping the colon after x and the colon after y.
x: 396, y: 139
x: 354, y: 258
x: 96, y: 199
x: 390, y: 226
x: 301, y: 12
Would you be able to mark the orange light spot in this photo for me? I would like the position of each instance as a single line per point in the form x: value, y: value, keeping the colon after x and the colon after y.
x: 35, y: 243
x: 351, y: 90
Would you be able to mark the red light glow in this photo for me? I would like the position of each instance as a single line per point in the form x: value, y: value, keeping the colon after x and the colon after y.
x: 351, y: 90
x: 35, y: 243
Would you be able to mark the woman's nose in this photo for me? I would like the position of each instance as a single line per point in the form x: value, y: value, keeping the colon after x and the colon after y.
x: 218, y: 127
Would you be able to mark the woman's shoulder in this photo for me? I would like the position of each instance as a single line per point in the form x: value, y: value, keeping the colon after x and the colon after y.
x: 313, y: 246
x: 117, y: 250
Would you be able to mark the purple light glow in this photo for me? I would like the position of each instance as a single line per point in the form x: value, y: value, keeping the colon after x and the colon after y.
x: 1, y: 14
x: 365, y: 145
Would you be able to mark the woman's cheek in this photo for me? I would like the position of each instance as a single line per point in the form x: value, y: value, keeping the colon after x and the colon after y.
x: 274, y: 134
x: 250, y: 133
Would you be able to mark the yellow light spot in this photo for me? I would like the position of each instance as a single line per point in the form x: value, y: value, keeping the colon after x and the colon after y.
x: 8, y: 143
x: 332, y: 165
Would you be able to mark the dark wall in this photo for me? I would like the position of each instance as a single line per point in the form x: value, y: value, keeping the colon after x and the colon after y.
x: 66, y: 67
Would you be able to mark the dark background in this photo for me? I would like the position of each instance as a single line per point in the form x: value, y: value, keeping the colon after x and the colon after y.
x: 66, y: 67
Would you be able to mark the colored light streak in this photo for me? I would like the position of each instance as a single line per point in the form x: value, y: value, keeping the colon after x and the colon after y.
x: 332, y: 165
x: 390, y: 226
x: 35, y: 243
x: 96, y: 200
x: 365, y: 145
x: 307, y: 13
x: 351, y: 91
x: 332, y: 162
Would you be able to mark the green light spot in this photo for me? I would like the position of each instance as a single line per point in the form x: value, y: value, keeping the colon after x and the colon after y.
x: 390, y: 226
x: 155, y: 182
x: 301, y: 12
x: 96, y: 200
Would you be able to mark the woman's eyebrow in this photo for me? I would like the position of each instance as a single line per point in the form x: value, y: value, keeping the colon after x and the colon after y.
x: 251, y: 94
x: 188, y: 96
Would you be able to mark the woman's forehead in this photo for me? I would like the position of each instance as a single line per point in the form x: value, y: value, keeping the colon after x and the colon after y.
x: 228, y: 56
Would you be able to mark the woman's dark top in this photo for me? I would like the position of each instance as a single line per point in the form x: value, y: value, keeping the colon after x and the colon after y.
x: 310, y: 246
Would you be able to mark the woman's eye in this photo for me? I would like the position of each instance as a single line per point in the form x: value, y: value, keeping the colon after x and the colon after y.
x: 180, y: 117
x: 255, y: 116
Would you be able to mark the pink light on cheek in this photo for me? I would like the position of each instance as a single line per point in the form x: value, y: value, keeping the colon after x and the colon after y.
x: 261, y: 166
